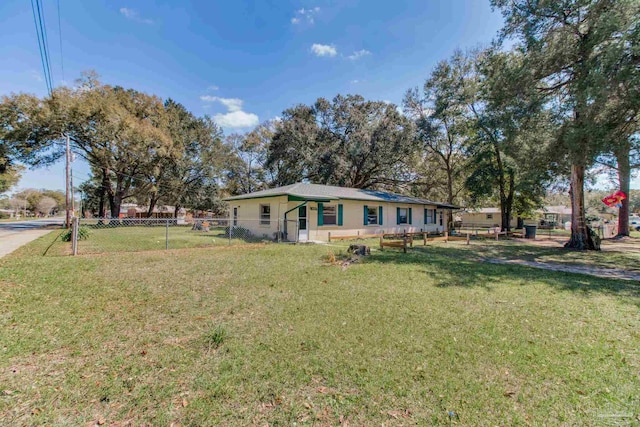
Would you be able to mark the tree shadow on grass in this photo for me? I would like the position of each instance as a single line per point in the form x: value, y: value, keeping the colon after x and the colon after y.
x: 451, y: 267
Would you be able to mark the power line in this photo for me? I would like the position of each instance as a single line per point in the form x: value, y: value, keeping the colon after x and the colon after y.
x: 44, y: 68
x: 45, y: 38
x: 60, y: 37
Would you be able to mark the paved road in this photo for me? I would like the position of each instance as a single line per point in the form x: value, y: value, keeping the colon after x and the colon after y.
x: 14, y: 234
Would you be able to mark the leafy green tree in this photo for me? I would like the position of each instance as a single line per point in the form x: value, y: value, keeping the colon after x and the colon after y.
x: 348, y: 141
x: 622, y: 161
x: 196, y: 166
x: 246, y: 171
x: 478, y: 117
x: 119, y: 132
x: 444, y: 127
x: 509, y: 156
x: 33, y: 200
x: 45, y: 205
x: 573, y: 49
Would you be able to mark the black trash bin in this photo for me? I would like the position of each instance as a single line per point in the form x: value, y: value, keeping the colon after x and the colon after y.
x: 530, y: 231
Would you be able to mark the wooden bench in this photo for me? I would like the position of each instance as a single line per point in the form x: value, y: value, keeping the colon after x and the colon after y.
x: 396, y: 243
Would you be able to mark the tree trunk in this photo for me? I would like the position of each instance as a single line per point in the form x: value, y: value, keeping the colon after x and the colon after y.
x: 504, y: 215
x: 116, y: 197
x: 104, y: 190
x: 581, y: 237
x: 624, y: 177
x: 449, y: 198
x: 176, y: 211
x: 507, y: 208
x: 152, y: 204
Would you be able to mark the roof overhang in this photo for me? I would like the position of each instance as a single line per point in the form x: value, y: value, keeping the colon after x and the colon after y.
x: 294, y: 198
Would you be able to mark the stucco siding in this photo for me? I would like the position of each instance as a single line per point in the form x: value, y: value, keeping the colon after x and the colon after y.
x: 353, y: 223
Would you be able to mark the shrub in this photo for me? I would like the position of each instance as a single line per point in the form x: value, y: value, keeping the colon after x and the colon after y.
x: 83, y: 234
x: 238, y: 232
x: 216, y: 336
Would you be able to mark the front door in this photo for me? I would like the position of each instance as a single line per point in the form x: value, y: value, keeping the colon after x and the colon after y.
x: 303, y: 232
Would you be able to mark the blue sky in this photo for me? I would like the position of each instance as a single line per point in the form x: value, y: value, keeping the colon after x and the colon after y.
x: 241, y: 61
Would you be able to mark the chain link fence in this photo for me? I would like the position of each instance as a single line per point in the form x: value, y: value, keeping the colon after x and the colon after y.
x: 104, y: 235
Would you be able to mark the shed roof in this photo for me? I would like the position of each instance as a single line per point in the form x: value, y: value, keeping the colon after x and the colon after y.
x: 317, y: 192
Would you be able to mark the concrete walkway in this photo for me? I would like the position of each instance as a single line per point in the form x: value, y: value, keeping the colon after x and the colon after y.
x: 608, y: 273
x: 11, y: 240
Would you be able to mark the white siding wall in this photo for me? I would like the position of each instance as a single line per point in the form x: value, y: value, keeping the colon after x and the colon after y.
x: 353, y: 218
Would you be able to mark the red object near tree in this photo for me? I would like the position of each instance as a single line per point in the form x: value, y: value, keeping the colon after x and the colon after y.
x: 614, y: 200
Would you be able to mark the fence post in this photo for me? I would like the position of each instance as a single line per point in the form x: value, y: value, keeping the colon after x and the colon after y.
x: 230, y: 224
x: 279, y: 231
x: 166, y: 236
x: 468, y: 238
x: 329, y: 237
x: 74, y: 236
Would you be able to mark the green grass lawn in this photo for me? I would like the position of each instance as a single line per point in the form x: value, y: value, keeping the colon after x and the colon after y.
x: 275, y: 335
x: 510, y: 249
x: 136, y: 238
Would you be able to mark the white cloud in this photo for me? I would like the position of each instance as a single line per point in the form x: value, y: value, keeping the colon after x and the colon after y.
x: 235, y: 118
x: 356, y: 81
x: 232, y: 104
x: 358, y: 54
x: 213, y: 88
x: 306, y: 15
x: 323, y: 50
x: 133, y: 15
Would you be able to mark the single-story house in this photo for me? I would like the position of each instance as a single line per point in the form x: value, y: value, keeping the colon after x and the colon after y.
x: 133, y: 210
x: 484, y: 218
x: 309, y: 212
x: 7, y: 213
x: 555, y: 215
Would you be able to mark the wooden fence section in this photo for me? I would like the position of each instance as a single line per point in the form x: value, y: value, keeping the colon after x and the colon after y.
x: 405, y: 241
x: 359, y: 236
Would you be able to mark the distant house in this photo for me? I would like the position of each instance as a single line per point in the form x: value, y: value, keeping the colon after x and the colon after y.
x: 311, y: 211
x: 484, y: 217
x: 133, y: 210
x: 7, y: 213
x: 547, y: 216
x: 555, y: 215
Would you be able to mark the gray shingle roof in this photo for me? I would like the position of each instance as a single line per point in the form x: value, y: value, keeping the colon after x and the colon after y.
x: 317, y: 191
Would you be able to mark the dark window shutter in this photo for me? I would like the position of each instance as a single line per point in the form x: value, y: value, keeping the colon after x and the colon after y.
x: 397, y: 215
x: 339, y: 214
x: 320, y: 214
x: 380, y: 215
x: 410, y: 219
x: 366, y: 215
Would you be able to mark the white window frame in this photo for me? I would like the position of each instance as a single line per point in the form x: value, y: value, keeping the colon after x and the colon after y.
x: 376, y: 210
x: 265, y: 217
x: 431, y: 216
x: 406, y: 216
x: 335, y: 214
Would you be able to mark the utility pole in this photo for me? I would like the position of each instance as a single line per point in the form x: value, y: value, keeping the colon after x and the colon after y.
x: 68, y: 183
x: 73, y: 196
